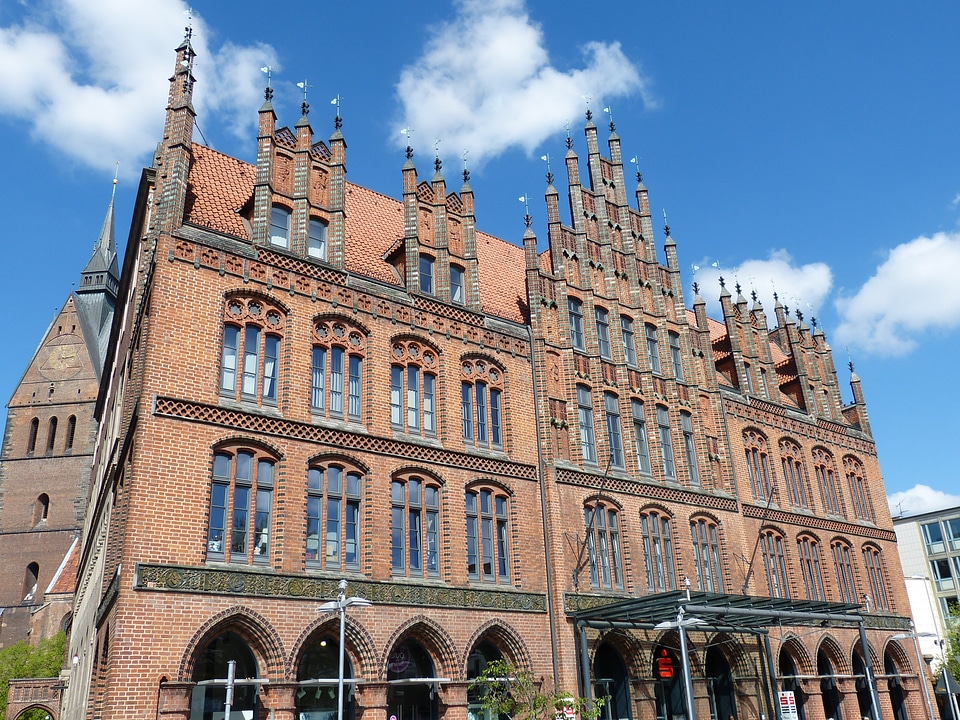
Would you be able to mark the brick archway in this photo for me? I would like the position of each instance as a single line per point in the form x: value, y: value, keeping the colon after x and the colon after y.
x: 43, y: 693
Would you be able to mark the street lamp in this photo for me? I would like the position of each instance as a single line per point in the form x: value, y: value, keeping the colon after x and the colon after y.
x: 923, y: 675
x: 342, y: 603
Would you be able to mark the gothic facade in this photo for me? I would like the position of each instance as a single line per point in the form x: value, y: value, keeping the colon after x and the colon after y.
x: 308, y: 381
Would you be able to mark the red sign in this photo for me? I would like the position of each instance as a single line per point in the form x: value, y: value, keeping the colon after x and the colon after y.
x: 664, y: 665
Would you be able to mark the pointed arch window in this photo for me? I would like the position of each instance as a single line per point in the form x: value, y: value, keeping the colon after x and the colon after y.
x: 706, y: 555
x: 249, y: 369
x: 32, y: 439
x: 603, y: 546
x: 755, y: 447
x: 413, y: 388
x: 336, y: 377
x: 241, y: 506
x: 809, y: 551
x: 873, y: 560
x: 843, y: 570
x: 51, y: 435
x: 862, y: 504
x: 71, y: 433
x: 793, y: 474
x: 657, y: 551
x: 333, y: 517
x: 775, y: 564
x: 488, y: 538
x: 415, y: 527
x: 481, y: 402
x: 823, y: 466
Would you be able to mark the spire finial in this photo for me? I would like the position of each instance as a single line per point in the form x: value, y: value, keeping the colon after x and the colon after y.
x: 723, y: 282
x: 304, y: 106
x: 666, y: 226
x: 587, y: 99
x: 337, y: 121
x: 466, y: 173
x: 696, y: 288
x: 437, y: 163
x: 737, y: 288
x: 609, y: 111
x: 188, y: 30
x: 813, y: 322
x: 116, y: 175
x: 268, y: 91
x: 409, y: 152
x: 636, y: 161
x: 546, y: 159
x: 850, y: 365
x: 566, y: 126
x: 525, y: 199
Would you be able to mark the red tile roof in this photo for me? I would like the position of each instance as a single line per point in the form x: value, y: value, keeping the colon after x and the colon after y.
x: 220, y: 185
x: 66, y: 580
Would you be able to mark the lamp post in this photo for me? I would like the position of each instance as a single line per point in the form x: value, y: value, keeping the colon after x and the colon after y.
x: 681, y: 625
x: 923, y: 675
x: 342, y: 603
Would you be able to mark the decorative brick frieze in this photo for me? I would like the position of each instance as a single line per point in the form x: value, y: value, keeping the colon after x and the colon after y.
x: 647, y: 489
x: 820, y: 523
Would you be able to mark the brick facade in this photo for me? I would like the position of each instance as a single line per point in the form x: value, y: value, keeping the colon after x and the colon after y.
x: 309, y: 381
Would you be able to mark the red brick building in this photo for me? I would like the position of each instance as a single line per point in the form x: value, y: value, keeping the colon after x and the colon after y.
x: 310, y: 381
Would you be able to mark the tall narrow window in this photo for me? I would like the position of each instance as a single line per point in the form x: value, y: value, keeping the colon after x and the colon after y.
x: 862, y: 506
x: 32, y: 439
x: 748, y: 373
x: 755, y: 447
x: 827, y: 482
x: 426, y: 274
x: 640, y: 436
x: 603, y: 546
x: 249, y: 369
x: 51, y: 435
x: 653, y: 348
x: 706, y: 555
x: 793, y: 474
x: 765, y: 383
x: 415, y: 527
x: 603, y: 332
x: 487, y: 535
x: 333, y: 518
x: 481, y: 400
x: 657, y: 552
x: 575, y: 309
x: 629, y: 341
x: 843, y: 570
x: 611, y: 405
x: 413, y: 389
x: 809, y: 552
x: 280, y: 227
x: 317, y: 239
x: 241, y: 505
x: 588, y: 443
x: 457, y: 293
x: 690, y: 447
x: 666, y: 443
x: 71, y: 432
x: 676, y: 356
x: 775, y: 564
x: 878, y: 588
x: 336, y: 376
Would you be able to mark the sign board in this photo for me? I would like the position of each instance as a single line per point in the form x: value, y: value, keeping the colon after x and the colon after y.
x: 665, y: 667
x: 788, y: 705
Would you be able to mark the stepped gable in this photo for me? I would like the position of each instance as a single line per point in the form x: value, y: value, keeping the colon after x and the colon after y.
x: 220, y: 186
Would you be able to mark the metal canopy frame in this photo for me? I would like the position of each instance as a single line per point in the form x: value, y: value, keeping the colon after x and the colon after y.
x: 685, y: 610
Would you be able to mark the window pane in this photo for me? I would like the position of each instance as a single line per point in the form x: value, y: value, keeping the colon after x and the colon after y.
x: 466, y: 404
x: 481, y: 393
x: 270, y: 356
x: 575, y: 308
x: 333, y: 532
x: 251, y: 349
x: 603, y: 332
x: 495, y: 437
x: 429, y: 404
x: 426, y: 274
x: 261, y: 543
x: 228, y: 374
x: 356, y: 374
x: 629, y: 346
x: 318, y: 378
x: 336, y: 382
x: 396, y: 393
x: 317, y: 243
x: 280, y: 226
x: 413, y: 397
x: 313, y: 529
x: 653, y: 348
x: 456, y: 285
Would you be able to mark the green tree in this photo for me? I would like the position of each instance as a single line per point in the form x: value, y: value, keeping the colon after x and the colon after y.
x: 508, y: 691
x: 23, y: 661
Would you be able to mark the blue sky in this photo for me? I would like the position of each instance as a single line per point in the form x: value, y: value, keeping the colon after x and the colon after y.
x: 809, y: 148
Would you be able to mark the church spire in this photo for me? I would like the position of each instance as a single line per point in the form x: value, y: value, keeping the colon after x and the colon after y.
x: 102, y: 272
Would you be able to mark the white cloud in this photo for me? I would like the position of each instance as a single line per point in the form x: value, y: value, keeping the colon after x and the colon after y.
x: 485, y: 83
x: 90, y: 78
x: 920, y: 499
x: 801, y: 287
x: 913, y: 291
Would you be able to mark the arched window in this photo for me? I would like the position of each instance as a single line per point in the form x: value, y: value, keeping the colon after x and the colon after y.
x: 603, y: 546
x: 413, y: 388
x: 32, y: 440
x: 317, y: 239
x: 862, y: 504
x: 333, y: 517
x: 666, y: 443
x: 774, y: 564
x: 809, y: 551
x: 843, y: 571
x: 251, y: 350
x: 51, y: 435
x: 41, y: 508
x: 629, y: 341
x: 416, y: 698
x: 588, y: 441
x: 336, y: 378
x: 755, y: 447
x: 794, y: 474
x: 706, y: 555
x: 241, y: 506
x: 657, y: 551
x: 71, y: 432
x: 317, y: 676
x: 690, y: 447
x: 488, y: 537
x: 31, y: 577
x: 611, y: 406
x: 640, y: 439
x: 575, y: 311
x: 873, y: 560
x: 280, y: 226
x: 676, y: 356
x: 481, y: 656
x: 653, y: 348
x: 212, y: 665
x: 602, y: 316
x: 481, y: 401
x: 827, y: 481
x: 415, y: 527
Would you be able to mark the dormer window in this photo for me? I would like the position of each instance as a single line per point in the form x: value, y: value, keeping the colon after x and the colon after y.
x: 426, y: 274
x: 280, y: 227
x: 317, y: 240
